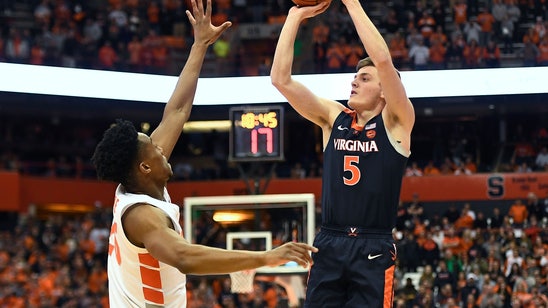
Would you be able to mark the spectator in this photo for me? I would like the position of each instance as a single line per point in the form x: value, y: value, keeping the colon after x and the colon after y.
x: 455, y: 50
x: 523, y: 168
x: 460, y: 15
x: 107, y: 57
x: 486, y: 20
x: 17, y: 47
x: 472, y: 31
x: 438, y: 13
x: 413, y: 170
x: 464, y: 222
x: 414, y: 38
x: 439, y: 35
x: 534, y: 207
x: 529, y: 53
x: 42, y: 14
x: 451, y: 245
x: 480, y: 222
x: 402, y: 217
x: 543, y: 51
x: 532, y: 35
x: 504, y: 290
x: 431, y: 169
x: 409, y: 292
x: 221, y: 50
x: 518, y: 212
x: 540, y: 26
x: 444, y: 276
x: 398, y: 50
x: 415, y: 208
x: 513, y: 267
x: 499, y: 11
x: 354, y: 54
x: 446, y: 297
x: 410, y: 251
x: 491, y: 54
x: 426, y: 25
x: 462, y: 170
x: 523, y: 152
x: 391, y: 22
x: 490, y: 298
x: 470, y: 292
x: 472, y: 55
x: 419, y: 55
x: 437, y: 54
x: 429, y: 251
x: 541, y: 161
x: 452, y: 214
x: 507, y: 33
x: 513, y: 12
x: 335, y: 56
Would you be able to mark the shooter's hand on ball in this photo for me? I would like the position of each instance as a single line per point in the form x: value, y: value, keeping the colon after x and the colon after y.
x: 309, y: 11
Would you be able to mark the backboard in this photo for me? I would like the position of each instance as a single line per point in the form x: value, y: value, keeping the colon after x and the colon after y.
x: 253, y: 222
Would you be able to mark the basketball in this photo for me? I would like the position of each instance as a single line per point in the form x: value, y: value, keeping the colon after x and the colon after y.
x: 308, y: 2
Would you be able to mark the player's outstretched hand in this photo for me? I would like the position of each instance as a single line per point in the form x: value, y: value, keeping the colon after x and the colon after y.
x: 204, y: 31
x: 296, y: 252
x: 310, y: 11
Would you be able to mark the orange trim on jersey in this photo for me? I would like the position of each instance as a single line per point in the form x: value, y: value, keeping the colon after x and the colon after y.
x: 349, y: 111
x: 151, y: 277
x: 153, y: 296
x: 147, y: 259
x: 389, y: 287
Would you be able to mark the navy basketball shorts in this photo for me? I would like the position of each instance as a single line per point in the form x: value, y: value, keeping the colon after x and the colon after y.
x: 353, y: 268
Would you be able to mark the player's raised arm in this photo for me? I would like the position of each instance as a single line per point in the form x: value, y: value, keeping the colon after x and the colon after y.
x: 399, y: 109
x: 177, y: 110
x: 318, y: 110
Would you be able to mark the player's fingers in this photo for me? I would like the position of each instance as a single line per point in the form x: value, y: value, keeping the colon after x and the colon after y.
x: 190, y: 17
x: 303, y: 251
x: 322, y: 6
x: 195, y: 6
x: 208, y: 8
x: 303, y: 260
x: 225, y: 26
x: 307, y: 247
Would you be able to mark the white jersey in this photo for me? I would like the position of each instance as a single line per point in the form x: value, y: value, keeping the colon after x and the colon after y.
x: 136, y: 279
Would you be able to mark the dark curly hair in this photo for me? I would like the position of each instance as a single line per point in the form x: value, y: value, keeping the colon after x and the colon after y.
x: 116, y: 152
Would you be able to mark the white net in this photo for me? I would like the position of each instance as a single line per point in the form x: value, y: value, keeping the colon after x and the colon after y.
x: 242, y: 281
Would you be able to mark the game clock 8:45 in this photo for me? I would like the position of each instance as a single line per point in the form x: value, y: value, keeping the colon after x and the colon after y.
x: 256, y: 133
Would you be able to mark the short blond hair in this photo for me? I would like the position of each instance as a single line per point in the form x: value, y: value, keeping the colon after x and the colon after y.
x: 368, y: 62
x: 364, y: 62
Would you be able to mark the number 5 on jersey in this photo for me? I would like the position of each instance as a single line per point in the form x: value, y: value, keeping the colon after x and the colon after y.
x: 351, y: 165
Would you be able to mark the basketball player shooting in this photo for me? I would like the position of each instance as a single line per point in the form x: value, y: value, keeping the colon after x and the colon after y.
x: 366, y: 147
x: 148, y: 256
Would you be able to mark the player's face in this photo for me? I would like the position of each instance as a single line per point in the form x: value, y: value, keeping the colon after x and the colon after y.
x: 152, y: 155
x: 366, y: 90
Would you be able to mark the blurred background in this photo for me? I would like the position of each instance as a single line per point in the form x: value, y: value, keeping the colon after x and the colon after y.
x: 487, y: 153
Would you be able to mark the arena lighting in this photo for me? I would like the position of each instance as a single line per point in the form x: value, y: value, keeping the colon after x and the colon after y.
x: 232, y: 216
x: 24, y: 78
x: 207, y: 126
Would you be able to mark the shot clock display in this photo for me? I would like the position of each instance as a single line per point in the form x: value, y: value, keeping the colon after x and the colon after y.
x: 256, y: 133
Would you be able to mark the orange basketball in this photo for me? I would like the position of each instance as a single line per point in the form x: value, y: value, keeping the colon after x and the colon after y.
x: 308, y: 2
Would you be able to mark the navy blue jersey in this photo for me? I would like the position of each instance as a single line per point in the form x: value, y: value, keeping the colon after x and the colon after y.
x: 362, y: 175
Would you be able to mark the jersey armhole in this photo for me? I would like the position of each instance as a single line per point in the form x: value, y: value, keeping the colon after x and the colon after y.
x: 403, y: 152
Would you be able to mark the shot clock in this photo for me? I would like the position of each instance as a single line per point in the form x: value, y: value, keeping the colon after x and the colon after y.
x: 256, y: 134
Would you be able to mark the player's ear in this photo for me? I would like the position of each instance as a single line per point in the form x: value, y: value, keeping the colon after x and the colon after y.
x: 144, y: 167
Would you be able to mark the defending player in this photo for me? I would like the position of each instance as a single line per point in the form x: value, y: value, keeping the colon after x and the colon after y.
x: 148, y: 256
x: 366, y: 147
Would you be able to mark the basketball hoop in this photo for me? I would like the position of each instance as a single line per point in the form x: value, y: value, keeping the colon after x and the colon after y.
x: 242, y: 281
